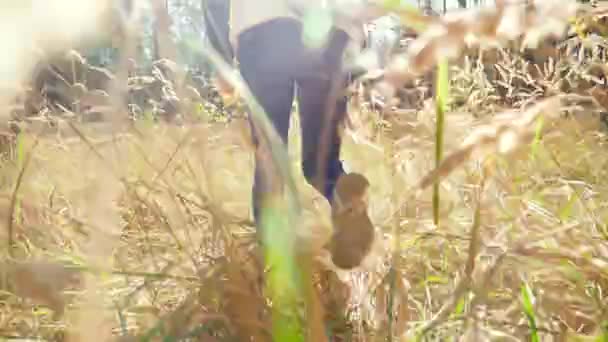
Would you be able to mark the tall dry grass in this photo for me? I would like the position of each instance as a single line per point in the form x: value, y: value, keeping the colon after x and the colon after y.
x: 142, y: 231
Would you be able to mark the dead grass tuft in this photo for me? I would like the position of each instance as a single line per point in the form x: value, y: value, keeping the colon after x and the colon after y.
x: 142, y: 232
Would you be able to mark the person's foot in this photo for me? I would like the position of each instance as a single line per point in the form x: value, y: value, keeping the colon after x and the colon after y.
x: 353, y: 234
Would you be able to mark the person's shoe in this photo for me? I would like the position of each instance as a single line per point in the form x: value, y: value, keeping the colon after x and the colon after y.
x: 353, y: 234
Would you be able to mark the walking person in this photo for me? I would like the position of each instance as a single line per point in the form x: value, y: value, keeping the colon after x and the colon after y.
x: 266, y: 38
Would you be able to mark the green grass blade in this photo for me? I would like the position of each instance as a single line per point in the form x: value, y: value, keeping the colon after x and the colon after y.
x: 460, y: 307
x: 276, y: 224
x: 391, y: 303
x: 282, y: 279
x: 442, y: 96
x: 527, y: 299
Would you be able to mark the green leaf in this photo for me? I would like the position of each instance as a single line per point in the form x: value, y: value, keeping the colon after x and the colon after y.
x: 435, y: 280
x: 459, y: 310
x: 528, y: 306
x: 442, y: 97
x: 39, y: 312
x: 527, y: 298
x: 283, y: 278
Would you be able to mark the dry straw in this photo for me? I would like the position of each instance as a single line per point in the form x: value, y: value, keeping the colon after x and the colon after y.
x: 155, y: 222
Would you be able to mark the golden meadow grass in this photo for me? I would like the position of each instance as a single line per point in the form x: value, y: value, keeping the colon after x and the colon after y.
x: 142, y: 232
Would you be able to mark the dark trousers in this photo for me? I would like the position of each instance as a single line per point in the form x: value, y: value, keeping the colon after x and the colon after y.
x: 275, y: 64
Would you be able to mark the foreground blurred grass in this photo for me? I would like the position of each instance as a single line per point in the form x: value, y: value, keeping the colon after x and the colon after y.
x: 153, y: 224
x: 183, y: 197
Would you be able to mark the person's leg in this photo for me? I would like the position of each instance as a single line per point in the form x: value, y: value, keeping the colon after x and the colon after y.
x: 321, y: 141
x: 267, y: 71
x: 323, y: 107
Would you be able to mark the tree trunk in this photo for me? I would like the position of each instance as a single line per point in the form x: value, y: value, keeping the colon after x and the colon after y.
x: 428, y: 6
x: 163, y: 44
